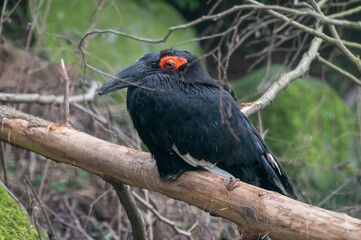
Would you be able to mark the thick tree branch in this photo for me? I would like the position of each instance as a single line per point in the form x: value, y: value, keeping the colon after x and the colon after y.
x: 255, y: 210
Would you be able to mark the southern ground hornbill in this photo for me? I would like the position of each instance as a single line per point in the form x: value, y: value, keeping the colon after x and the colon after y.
x: 190, y: 122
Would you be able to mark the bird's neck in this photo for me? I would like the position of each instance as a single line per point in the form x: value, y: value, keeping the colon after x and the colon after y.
x: 197, y: 74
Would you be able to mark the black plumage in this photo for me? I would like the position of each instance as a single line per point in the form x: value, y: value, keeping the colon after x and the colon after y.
x: 189, y: 122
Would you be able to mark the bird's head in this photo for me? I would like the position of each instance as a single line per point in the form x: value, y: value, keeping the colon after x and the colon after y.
x: 171, y: 62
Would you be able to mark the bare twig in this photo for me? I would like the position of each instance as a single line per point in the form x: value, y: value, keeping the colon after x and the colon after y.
x: 41, y: 206
x: 114, y: 128
x: 60, y: 219
x: 49, y: 99
x: 346, y: 13
x: 160, y: 217
x: 34, y: 209
x: 76, y: 220
x: 24, y: 63
x: 358, y: 104
x: 40, y: 31
x: 2, y: 16
x: 343, y: 4
x: 338, y: 69
x: 214, y: 7
x: 64, y: 72
x: 3, y: 164
x: 92, y: 205
x: 334, y: 192
x: 11, y: 11
x: 43, y: 178
x: 27, y: 230
x: 149, y: 216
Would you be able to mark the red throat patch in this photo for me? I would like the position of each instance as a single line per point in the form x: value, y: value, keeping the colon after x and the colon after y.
x: 172, y: 62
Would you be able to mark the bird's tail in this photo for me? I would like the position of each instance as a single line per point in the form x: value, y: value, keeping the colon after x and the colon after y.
x: 277, y: 177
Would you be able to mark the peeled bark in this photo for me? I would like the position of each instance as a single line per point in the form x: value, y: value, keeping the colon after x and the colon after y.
x: 255, y: 210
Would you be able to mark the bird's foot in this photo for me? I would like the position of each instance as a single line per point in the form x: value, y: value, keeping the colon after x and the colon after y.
x: 174, y: 176
x: 231, y: 183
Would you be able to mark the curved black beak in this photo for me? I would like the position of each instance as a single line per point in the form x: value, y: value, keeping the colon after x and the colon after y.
x: 122, y: 79
x: 111, y: 86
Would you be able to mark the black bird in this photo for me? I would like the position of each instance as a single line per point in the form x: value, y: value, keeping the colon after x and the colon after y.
x: 189, y: 121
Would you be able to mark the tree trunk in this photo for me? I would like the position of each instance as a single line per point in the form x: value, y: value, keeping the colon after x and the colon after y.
x: 255, y: 210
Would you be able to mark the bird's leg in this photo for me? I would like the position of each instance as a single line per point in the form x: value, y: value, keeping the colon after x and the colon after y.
x: 231, y: 183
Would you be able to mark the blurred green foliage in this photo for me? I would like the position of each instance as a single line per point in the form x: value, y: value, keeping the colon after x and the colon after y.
x: 310, y: 130
x: 69, y: 20
x: 14, y: 221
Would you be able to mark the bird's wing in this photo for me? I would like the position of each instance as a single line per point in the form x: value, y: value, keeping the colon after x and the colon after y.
x: 198, y: 127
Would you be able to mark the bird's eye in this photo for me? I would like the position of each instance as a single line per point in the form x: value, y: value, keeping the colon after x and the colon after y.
x: 169, y: 65
x: 172, y: 62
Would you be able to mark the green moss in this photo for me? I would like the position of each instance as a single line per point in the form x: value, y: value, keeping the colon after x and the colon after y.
x: 310, y: 130
x: 14, y: 221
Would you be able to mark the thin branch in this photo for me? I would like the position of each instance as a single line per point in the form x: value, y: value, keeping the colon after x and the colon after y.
x: 64, y: 73
x: 160, y: 217
x: 41, y: 206
x: 92, y: 205
x: 334, y: 192
x: 149, y: 217
x: 76, y: 220
x: 338, y: 69
x: 3, y: 164
x: 61, y: 220
x: 49, y: 99
x: 43, y: 178
x: 343, y: 4
x: 11, y: 11
x: 27, y: 230
x: 346, y: 13
x: 114, y: 128
x: 2, y: 16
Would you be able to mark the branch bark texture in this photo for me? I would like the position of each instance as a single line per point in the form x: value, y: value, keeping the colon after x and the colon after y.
x: 256, y: 211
